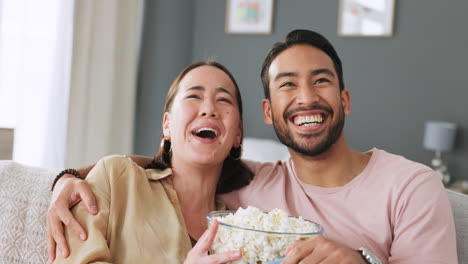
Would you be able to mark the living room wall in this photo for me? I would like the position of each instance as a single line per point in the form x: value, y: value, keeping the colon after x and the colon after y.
x: 166, y: 49
x: 396, y: 83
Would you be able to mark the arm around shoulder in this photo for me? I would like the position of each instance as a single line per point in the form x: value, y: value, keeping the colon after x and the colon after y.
x: 142, y: 161
x: 95, y: 247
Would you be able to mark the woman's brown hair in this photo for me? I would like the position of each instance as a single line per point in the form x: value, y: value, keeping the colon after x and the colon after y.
x: 235, y: 173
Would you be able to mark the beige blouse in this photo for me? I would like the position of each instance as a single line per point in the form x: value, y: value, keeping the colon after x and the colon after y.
x: 138, y: 221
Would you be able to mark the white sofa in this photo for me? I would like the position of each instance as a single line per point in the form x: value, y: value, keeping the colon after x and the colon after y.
x: 24, y: 199
x: 25, y: 194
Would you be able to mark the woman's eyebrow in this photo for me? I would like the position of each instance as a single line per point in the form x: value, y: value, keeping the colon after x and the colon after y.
x: 197, y: 88
x: 223, y: 90
x: 201, y: 88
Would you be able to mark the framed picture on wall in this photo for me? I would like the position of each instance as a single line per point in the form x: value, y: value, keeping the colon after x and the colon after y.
x: 249, y: 16
x: 366, y: 18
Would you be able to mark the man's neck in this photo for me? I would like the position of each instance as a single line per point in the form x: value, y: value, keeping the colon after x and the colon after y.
x: 335, y: 167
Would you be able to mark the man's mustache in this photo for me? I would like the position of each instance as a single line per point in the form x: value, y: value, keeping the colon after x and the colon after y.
x: 292, y: 111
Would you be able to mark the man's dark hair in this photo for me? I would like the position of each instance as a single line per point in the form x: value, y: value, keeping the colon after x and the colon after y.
x: 295, y: 37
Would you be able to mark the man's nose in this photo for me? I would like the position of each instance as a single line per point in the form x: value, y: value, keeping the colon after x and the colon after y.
x: 307, y: 95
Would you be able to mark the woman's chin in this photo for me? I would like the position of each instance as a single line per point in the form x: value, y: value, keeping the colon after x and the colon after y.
x: 209, y: 159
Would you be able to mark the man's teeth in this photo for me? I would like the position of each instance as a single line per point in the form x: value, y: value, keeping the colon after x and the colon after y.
x: 308, y: 120
x: 207, y: 129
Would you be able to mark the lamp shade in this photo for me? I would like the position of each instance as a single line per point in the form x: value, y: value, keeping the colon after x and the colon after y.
x: 439, y: 136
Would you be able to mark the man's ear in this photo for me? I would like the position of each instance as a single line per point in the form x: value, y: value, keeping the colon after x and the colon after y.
x: 346, y: 101
x: 166, y: 125
x: 266, y: 106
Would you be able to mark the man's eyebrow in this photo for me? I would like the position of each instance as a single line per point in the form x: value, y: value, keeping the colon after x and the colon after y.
x: 313, y: 73
x: 284, y: 74
x: 322, y: 70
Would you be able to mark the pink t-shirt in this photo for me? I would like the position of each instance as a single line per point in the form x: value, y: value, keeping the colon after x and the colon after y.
x: 396, y: 208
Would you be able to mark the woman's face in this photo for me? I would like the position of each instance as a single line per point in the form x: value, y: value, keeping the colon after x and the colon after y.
x: 204, y: 121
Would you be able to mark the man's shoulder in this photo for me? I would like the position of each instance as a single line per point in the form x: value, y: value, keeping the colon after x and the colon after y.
x: 266, y: 169
x: 383, y: 160
x: 393, y: 169
x: 268, y: 181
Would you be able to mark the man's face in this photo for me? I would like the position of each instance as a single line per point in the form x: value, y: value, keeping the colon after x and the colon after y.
x: 306, y: 106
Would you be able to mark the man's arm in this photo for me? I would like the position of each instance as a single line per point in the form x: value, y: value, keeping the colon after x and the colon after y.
x: 68, y: 191
x: 142, y: 161
x: 424, y: 230
x: 96, y: 247
x: 319, y: 249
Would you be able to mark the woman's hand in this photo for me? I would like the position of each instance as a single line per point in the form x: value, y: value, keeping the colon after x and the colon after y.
x: 67, y: 192
x: 199, y: 253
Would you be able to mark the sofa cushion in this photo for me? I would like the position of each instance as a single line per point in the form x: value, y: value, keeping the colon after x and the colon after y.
x: 264, y: 150
x: 459, y: 203
x: 24, y: 199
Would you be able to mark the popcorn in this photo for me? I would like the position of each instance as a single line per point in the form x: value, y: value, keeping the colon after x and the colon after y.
x: 267, y: 242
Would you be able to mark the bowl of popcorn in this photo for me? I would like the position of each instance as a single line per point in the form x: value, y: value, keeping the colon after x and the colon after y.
x: 261, y: 237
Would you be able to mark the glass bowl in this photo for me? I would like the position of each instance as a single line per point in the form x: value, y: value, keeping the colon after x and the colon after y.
x: 256, y: 246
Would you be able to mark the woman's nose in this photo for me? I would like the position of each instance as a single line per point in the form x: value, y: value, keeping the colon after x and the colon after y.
x: 208, y: 109
x: 208, y: 114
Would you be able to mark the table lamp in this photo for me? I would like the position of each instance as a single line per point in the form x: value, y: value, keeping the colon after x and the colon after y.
x: 440, y: 137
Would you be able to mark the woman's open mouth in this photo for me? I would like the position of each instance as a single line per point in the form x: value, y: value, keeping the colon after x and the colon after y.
x: 205, y: 133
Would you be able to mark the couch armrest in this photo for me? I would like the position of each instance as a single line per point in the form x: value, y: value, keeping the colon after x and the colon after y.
x: 24, y: 199
x: 459, y: 203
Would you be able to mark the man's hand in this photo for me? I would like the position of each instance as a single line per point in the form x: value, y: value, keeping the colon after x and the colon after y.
x: 67, y: 192
x: 199, y: 253
x: 318, y: 249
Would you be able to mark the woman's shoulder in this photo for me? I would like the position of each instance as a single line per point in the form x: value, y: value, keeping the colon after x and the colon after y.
x: 118, y: 166
x: 117, y: 161
x: 122, y: 166
x: 114, y: 158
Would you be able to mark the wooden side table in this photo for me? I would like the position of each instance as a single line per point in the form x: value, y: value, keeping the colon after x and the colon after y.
x: 460, y: 186
x: 6, y: 143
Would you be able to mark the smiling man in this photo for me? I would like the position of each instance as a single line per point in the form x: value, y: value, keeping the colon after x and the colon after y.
x: 375, y: 207
x: 298, y: 83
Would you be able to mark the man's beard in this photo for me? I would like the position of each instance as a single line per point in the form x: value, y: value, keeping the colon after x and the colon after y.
x: 333, y: 133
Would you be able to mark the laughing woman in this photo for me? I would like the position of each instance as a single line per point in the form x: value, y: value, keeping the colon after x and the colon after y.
x: 156, y: 215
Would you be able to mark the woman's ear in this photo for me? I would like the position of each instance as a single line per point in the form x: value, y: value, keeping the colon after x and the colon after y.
x: 166, y: 126
x: 238, y: 138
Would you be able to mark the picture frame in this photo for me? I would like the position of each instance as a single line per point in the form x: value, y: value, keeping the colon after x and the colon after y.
x: 366, y: 18
x: 249, y: 16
